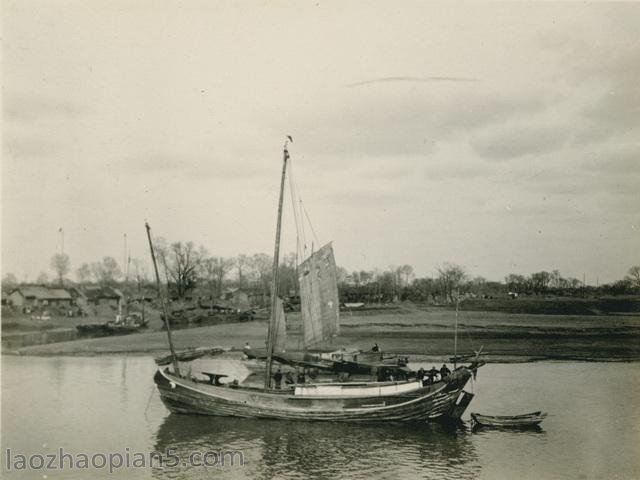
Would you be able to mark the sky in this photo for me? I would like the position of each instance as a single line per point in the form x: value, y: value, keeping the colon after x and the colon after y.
x: 501, y: 137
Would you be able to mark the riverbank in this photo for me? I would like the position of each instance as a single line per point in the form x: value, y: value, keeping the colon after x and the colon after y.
x: 420, y: 334
x: 554, y: 305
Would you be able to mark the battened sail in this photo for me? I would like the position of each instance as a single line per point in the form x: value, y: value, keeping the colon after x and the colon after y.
x: 280, y: 328
x: 319, y: 296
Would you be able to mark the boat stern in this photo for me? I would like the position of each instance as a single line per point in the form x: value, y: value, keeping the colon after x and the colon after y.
x: 459, y: 379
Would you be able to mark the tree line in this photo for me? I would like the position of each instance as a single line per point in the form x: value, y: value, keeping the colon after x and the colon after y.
x: 185, y: 267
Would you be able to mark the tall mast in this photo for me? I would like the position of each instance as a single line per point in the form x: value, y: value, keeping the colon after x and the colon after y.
x: 274, y: 280
x: 162, y: 301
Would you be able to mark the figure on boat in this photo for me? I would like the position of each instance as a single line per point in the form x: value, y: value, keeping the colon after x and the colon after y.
x: 277, y: 377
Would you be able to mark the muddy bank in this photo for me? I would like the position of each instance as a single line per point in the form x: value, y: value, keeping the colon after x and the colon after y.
x: 418, y: 334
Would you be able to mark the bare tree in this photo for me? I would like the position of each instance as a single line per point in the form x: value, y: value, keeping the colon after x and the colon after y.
x: 366, y: 277
x: 515, y: 282
x: 140, y: 273
x: 477, y: 284
x: 261, y: 264
x: 451, y: 277
x: 540, y: 281
x: 106, y: 272
x: 84, y: 273
x: 242, y: 264
x: 215, y: 269
x: 9, y: 281
x: 60, y: 265
x: 162, y: 253
x: 43, y: 279
x: 182, y: 262
x: 634, y: 276
x: 287, y: 275
x: 405, y: 273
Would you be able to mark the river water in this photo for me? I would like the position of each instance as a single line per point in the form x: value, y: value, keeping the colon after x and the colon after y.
x: 109, y: 406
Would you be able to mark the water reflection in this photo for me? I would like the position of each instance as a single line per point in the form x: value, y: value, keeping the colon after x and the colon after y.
x: 123, y: 381
x: 108, y: 404
x: 302, y: 450
x: 528, y: 430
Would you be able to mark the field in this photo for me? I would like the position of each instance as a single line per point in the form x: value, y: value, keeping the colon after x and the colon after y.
x: 419, y: 333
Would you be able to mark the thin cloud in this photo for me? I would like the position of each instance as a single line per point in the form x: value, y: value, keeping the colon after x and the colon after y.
x: 454, y: 172
x: 191, y: 166
x: 28, y: 148
x: 622, y: 160
x: 367, y: 125
x: 513, y: 142
x: 410, y: 79
x: 27, y: 108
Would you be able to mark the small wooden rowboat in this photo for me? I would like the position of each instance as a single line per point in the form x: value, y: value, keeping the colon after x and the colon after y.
x: 513, y: 421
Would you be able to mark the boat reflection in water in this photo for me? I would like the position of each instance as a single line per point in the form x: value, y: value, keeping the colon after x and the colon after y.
x: 291, y: 449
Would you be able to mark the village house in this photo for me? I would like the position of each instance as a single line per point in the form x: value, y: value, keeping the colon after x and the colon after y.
x: 236, y: 298
x: 98, y: 296
x: 38, y: 296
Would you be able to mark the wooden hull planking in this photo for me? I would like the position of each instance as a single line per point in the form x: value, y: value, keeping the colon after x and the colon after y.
x: 433, y: 402
x: 517, y: 421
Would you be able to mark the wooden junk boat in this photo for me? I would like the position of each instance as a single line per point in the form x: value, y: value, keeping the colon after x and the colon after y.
x: 371, y: 401
x: 514, y: 421
x: 122, y: 326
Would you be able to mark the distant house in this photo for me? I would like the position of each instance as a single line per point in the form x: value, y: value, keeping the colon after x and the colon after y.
x: 36, y: 296
x: 75, y: 292
x: 236, y: 298
x: 97, y: 295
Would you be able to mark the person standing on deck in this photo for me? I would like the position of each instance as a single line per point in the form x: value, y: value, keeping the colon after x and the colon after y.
x: 278, y: 378
x: 432, y: 374
x: 288, y: 379
x: 444, y: 371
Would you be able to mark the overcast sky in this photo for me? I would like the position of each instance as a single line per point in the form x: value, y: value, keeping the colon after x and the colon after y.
x: 502, y: 137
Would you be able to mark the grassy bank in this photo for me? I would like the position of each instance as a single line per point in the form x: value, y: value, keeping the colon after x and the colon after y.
x: 541, y: 305
x: 418, y: 333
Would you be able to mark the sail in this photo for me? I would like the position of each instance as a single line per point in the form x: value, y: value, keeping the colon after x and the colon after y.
x: 319, y: 296
x: 280, y: 329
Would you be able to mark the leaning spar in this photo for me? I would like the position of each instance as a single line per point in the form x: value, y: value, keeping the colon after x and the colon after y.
x: 162, y: 301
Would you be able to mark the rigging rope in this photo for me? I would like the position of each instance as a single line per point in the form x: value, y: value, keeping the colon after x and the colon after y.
x: 301, y: 214
x: 310, y: 224
x: 293, y: 192
x: 300, y: 240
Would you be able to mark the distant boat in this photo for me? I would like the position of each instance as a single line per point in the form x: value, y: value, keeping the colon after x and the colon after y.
x: 408, y: 400
x: 130, y: 324
x: 514, y: 421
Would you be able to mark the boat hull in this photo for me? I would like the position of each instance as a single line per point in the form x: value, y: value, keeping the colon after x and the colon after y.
x: 430, y: 403
x: 516, y: 421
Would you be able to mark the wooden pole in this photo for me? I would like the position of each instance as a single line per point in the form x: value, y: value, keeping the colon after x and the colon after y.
x: 162, y: 302
x: 274, y: 280
x: 455, y: 337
